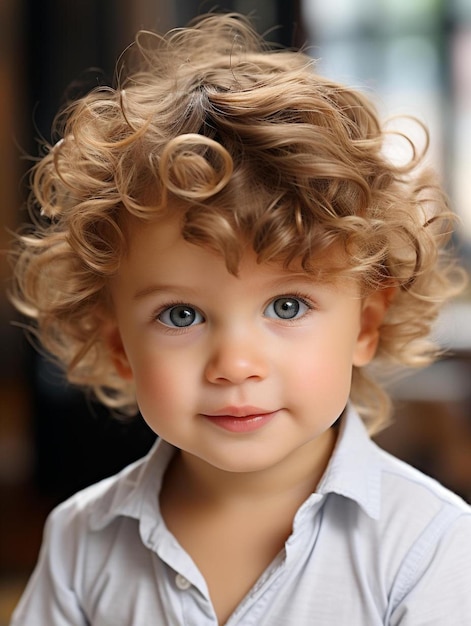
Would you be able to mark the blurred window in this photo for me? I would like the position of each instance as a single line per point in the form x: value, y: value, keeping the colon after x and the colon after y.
x: 415, y: 59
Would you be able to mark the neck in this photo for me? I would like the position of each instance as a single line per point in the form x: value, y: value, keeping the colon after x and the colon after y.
x: 296, y: 476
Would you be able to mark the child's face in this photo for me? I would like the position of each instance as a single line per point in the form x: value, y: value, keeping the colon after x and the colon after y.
x: 241, y: 372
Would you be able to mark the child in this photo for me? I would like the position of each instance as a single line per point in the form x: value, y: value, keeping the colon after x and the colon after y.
x: 224, y: 244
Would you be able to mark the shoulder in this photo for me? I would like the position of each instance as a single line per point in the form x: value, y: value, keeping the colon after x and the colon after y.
x: 425, y: 528
x: 416, y: 507
x: 421, y: 544
x: 80, y: 539
x: 426, y: 531
x: 403, y: 484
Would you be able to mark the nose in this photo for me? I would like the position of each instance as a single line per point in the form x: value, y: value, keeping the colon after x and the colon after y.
x: 236, y: 358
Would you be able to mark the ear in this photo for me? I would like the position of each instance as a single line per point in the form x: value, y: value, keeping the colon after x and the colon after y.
x: 114, y: 343
x: 374, y: 308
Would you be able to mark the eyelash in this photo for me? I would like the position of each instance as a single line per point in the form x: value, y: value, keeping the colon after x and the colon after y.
x: 170, y: 305
x: 302, y: 297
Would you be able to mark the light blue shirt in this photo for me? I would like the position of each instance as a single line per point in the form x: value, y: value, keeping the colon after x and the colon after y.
x: 378, y: 543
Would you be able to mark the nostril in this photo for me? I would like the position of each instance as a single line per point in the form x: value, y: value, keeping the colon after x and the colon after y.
x: 234, y: 367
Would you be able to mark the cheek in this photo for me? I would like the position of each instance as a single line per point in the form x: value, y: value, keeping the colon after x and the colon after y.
x: 164, y: 382
x: 321, y: 377
x: 324, y: 370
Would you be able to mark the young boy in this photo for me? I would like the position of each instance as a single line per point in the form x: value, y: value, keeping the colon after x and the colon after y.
x: 224, y: 244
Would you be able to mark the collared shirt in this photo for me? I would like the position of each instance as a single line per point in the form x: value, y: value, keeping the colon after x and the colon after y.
x: 378, y: 543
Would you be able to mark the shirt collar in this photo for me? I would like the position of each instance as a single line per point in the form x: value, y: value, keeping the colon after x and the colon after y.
x: 354, y: 469
x: 353, y: 472
x: 136, y: 489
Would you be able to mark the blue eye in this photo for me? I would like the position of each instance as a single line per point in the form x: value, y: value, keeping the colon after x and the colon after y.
x: 180, y: 316
x: 287, y: 308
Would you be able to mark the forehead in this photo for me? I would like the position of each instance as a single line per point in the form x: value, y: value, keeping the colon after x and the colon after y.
x: 161, y: 233
x: 157, y: 248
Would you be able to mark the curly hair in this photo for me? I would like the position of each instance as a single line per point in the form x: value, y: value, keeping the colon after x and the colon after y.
x: 248, y: 144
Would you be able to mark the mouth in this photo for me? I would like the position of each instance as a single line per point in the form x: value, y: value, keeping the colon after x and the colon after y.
x: 240, y: 419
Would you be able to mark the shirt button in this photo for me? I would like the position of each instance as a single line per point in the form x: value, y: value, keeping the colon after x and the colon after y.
x: 182, y: 582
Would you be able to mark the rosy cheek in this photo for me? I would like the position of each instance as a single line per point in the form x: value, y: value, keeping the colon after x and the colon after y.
x: 319, y: 375
x: 154, y: 380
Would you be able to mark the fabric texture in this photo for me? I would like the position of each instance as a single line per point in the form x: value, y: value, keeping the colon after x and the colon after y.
x: 378, y: 543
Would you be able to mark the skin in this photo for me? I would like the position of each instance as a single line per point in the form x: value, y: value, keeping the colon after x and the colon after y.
x: 247, y: 390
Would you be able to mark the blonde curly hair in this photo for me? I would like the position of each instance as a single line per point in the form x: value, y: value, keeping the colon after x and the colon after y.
x: 249, y: 144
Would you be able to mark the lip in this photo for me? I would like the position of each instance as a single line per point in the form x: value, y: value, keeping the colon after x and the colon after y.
x: 239, y: 411
x: 240, y: 419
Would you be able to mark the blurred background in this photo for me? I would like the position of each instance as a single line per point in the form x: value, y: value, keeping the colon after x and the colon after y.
x: 413, y: 57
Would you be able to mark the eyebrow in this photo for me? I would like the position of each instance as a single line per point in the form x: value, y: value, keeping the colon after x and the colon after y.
x: 151, y: 289
x: 297, y: 278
